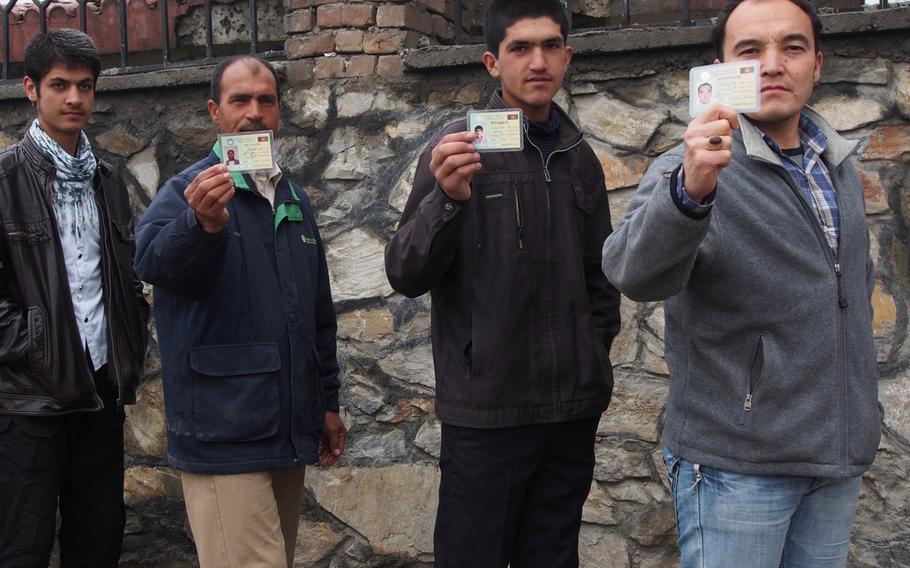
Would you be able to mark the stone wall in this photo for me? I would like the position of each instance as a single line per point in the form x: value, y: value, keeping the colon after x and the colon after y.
x: 352, y: 143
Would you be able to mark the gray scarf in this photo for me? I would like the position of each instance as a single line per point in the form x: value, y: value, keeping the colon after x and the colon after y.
x: 74, y: 202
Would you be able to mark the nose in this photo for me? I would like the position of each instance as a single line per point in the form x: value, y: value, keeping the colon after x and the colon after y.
x: 772, y: 60
x: 254, y: 110
x: 73, y: 95
x: 538, y: 61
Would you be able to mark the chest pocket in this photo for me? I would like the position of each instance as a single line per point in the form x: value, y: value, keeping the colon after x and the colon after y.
x: 28, y: 231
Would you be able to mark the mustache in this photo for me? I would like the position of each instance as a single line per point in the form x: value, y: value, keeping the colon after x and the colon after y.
x: 253, y: 125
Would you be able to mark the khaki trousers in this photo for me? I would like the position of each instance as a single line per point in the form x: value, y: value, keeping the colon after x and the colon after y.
x: 245, y: 520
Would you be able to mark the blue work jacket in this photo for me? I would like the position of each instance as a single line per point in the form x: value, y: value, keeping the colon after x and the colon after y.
x: 246, y: 327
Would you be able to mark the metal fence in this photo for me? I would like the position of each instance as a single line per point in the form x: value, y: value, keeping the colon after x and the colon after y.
x: 124, y: 65
x: 629, y: 9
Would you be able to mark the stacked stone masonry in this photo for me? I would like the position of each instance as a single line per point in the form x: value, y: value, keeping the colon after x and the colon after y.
x: 335, y: 39
x: 353, y: 143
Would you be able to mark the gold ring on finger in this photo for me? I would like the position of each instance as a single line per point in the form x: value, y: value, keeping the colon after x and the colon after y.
x: 715, y: 143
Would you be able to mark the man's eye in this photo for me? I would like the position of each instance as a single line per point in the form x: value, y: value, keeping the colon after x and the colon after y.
x: 519, y: 48
x: 750, y: 51
x: 795, y: 48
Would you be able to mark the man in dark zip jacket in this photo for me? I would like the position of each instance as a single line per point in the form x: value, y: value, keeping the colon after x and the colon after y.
x: 247, y: 332
x: 72, y: 322
x: 509, y: 245
x: 754, y: 232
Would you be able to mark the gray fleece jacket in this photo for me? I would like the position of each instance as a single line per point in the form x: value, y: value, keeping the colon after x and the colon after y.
x: 772, y: 363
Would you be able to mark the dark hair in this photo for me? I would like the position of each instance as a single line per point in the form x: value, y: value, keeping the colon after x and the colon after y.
x: 224, y: 64
x: 709, y: 85
x: 478, y: 127
x: 504, y: 13
x: 70, y: 48
x: 720, y: 26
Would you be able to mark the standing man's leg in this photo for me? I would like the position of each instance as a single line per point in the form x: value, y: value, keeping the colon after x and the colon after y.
x: 31, y: 451
x: 819, y: 535
x: 92, y: 512
x: 551, y: 514
x: 287, y: 486
x: 235, y: 520
x: 731, y: 519
x: 485, y: 476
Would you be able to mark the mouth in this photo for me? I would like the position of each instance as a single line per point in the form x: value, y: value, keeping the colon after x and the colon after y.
x: 539, y: 80
x: 774, y: 89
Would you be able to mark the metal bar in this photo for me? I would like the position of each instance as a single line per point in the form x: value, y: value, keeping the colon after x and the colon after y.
x: 254, y: 28
x: 165, y: 33
x: 569, y: 14
x: 459, y: 25
x: 626, y: 12
x: 208, y: 29
x: 42, y: 12
x: 686, y: 19
x: 124, y: 36
x: 83, y: 20
x: 4, y: 18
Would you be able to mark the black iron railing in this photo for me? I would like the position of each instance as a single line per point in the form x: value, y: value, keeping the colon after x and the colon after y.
x: 164, y: 51
x: 629, y: 9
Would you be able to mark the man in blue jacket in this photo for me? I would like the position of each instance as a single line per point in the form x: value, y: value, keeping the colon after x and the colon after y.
x: 754, y: 232
x: 246, y: 328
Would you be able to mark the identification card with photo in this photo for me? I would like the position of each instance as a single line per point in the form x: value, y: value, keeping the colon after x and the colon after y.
x: 737, y: 85
x: 497, y: 130
x: 247, y: 151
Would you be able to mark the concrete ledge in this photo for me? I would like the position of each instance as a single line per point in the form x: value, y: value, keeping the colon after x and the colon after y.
x: 637, y: 39
x: 113, y: 81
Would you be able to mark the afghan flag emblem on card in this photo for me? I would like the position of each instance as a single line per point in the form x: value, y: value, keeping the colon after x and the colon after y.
x: 263, y: 139
x: 746, y: 70
x: 512, y: 117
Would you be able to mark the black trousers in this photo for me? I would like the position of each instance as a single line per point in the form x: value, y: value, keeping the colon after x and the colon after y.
x: 74, y: 462
x: 513, y: 496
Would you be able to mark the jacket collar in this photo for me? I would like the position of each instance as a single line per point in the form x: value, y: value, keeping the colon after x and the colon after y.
x: 838, y: 150
x: 35, y: 156
x: 37, y: 159
x: 569, y: 133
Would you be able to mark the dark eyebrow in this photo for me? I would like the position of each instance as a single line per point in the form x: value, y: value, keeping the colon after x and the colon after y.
x: 752, y: 42
x: 749, y: 42
x: 525, y: 43
x: 239, y: 97
x: 802, y: 38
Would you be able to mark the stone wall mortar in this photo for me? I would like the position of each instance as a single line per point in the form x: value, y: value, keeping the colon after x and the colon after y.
x: 353, y: 144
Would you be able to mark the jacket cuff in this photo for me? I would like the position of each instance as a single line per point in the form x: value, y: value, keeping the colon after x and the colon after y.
x: 676, y: 188
x: 331, y: 402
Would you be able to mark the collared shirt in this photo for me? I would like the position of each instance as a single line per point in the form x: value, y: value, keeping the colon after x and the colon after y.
x: 813, y: 177
x: 266, y: 182
x: 80, y: 237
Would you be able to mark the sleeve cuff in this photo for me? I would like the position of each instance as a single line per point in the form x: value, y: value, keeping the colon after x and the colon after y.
x: 685, y: 203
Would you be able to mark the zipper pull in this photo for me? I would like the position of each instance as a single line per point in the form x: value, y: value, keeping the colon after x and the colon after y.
x: 747, y: 405
x: 842, y: 300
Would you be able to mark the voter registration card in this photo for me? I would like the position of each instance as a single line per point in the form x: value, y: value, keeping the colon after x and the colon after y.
x: 736, y: 85
x: 497, y: 130
x: 247, y: 151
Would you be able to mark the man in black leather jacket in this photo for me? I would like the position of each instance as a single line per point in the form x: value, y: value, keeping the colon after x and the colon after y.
x: 72, y: 322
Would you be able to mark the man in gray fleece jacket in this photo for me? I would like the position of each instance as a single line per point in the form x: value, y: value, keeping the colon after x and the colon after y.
x: 754, y: 232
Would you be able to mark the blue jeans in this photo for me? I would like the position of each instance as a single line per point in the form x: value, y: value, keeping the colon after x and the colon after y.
x: 760, y: 521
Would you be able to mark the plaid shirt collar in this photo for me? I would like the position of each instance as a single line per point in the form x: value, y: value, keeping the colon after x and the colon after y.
x: 812, y: 177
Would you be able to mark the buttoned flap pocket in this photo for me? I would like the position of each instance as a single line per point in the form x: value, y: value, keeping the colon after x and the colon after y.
x: 583, y: 200
x: 235, y: 391
x: 30, y: 229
